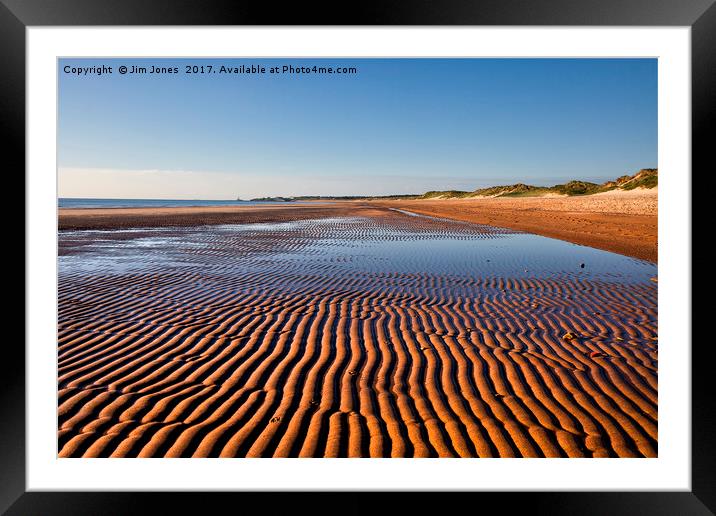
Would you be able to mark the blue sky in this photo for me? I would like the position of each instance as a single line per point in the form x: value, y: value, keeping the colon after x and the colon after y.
x: 396, y: 126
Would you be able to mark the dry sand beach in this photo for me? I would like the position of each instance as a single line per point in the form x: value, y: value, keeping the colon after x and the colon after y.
x: 355, y: 330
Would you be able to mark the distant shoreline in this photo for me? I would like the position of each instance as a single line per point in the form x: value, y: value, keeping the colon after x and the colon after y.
x: 644, y: 179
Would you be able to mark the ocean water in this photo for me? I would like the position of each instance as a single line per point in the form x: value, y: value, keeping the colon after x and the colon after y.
x: 68, y: 202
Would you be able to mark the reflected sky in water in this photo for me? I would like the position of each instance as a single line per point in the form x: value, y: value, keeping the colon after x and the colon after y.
x: 345, y: 246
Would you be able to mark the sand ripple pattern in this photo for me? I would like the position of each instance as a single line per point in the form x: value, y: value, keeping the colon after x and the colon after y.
x: 347, y: 337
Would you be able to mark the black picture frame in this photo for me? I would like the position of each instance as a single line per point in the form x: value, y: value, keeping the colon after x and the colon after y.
x: 700, y: 15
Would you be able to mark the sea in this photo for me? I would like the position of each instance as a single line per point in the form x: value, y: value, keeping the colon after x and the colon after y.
x: 68, y: 202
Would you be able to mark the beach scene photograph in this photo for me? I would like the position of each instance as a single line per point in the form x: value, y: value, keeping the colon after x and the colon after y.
x: 357, y: 258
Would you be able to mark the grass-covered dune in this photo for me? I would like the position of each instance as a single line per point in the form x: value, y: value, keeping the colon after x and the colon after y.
x: 645, y: 178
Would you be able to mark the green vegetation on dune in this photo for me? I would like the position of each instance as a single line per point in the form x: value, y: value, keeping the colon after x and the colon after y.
x: 647, y: 182
x: 579, y: 188
x: 645, y: 178
x: 504, y: 190
x: 517, y: 190
x: 452, y: 194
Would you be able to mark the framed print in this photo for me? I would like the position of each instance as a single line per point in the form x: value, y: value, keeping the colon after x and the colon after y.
x: 416, y: 249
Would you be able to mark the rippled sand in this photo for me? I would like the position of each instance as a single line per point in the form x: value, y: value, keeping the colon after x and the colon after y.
x: 373, y: 335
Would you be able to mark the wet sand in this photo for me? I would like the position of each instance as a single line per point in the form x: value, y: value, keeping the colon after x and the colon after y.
x: 113, y: 218
x: 351, y: 332
x: 623, y: 222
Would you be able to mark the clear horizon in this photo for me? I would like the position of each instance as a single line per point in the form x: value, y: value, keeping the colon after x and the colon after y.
x: 397, y: 126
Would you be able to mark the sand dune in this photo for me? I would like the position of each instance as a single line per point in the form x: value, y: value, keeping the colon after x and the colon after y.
x: 348, y: 337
